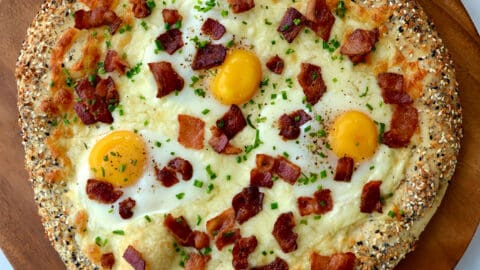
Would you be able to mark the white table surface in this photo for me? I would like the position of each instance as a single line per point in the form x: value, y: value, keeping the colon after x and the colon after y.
x: 471, y: 258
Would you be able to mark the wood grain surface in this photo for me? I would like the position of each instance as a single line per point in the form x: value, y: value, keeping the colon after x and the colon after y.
x: 440, y: 246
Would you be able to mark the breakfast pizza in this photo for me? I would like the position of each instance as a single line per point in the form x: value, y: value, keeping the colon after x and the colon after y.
x: 236, y: 134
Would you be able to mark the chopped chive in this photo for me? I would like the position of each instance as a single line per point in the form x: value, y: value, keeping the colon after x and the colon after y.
x: 180, y: 195
x: 274, y: 205
x: 119, y: 232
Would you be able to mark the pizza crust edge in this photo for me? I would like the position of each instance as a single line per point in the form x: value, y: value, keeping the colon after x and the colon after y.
x: 385, y: 241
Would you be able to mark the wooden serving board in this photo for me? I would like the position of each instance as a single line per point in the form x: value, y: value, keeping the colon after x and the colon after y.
x: 440, y: 246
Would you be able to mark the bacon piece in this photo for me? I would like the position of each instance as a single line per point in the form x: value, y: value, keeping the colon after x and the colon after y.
x: 96, y: 96
x: 324, y: 200
x: 359, y: 44
x: 320, y: 18
x: 259, y: 178
x: 211, y: 55
x: 283, y: 232
x: 179, y: 228
x: 320, y: 203
x: 239, y: 6
x: 125, y: 208
x: 196, y: 261
x: 265, y: 163
x: 307, y: 206
x: 166, y: 77
x: 241, y: 250
x: 213, y: 28
x: 171, y: 16
x: 221, y: 228
x: 286, y: 170
x: 97, y: 17
x: 166, y: 176
x: 371, y: 197
x: 191, y: 131
x: 338, y: 261
x: 344, y: 169
x: 393, y: 89
x: 102, y: 191
x: 171, y: 40
x: 247, y: 204
x: 219, y: 140
x: 290, y: 124
x: 403, y: 125
x: 182, y: 166
x: 107, y: 260
x: 198, y: 240
x: 292, y: 23
x: 277, y: 264
x: 275, y: 64
x: 140, y: 8
x: 310, y: 78
x: 114, y: 62
x: 134, y: 258
x: 232, y: 122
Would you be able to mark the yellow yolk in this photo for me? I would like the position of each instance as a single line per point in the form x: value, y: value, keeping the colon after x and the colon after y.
x: 354, y: 135
x: 238, y: 78
x: 118, y: 158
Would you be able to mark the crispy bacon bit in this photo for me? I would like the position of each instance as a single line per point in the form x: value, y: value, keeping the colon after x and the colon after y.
x: 182, y: 166
x: 403, y: 125
x: 213, y: 28
x: 259, y: 178
x: 320, y: 203
x: 307, y: 205
x: 171, y: 40
x: 198, y: 239
x: 292, y: 23
x: 241, y: 250
x: 310, y: 78
x: 166, y: 77
x: 232, y: 122
x: 166, y: 176
x: 125, y: 208
x: 97, y: 17
x: 344, y: 169
x: 277, y: 264
x: 211, y: 55
x: 265, y: 163
x: 107, y: 260
x: 114, y: 62
x: 134, y: 258
x: 219, y: 140
x: 290, y: 124
x: 239, y: 6
x: 179, y: 228
x: 324, y: 200
x: 196, y: 261
x: 338, y: 261
x: 371, y: 197
x: 275, y: 64
x: 393, y: 89
x: 191, y: 131
x: 320, y: 18
x: 247, y: 203
x: 140, y: 8
x: 102, y: 191
x: 221, y: 228
x: 359, y: 44
x: 286, y: 170
x: 171, y: 16
x: 283, y: 232
x: 96, y: 96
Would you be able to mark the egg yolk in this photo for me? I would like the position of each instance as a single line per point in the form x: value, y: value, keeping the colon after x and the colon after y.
x: 238, y: 78
x: 354, y: 135
x: 118, y: 158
